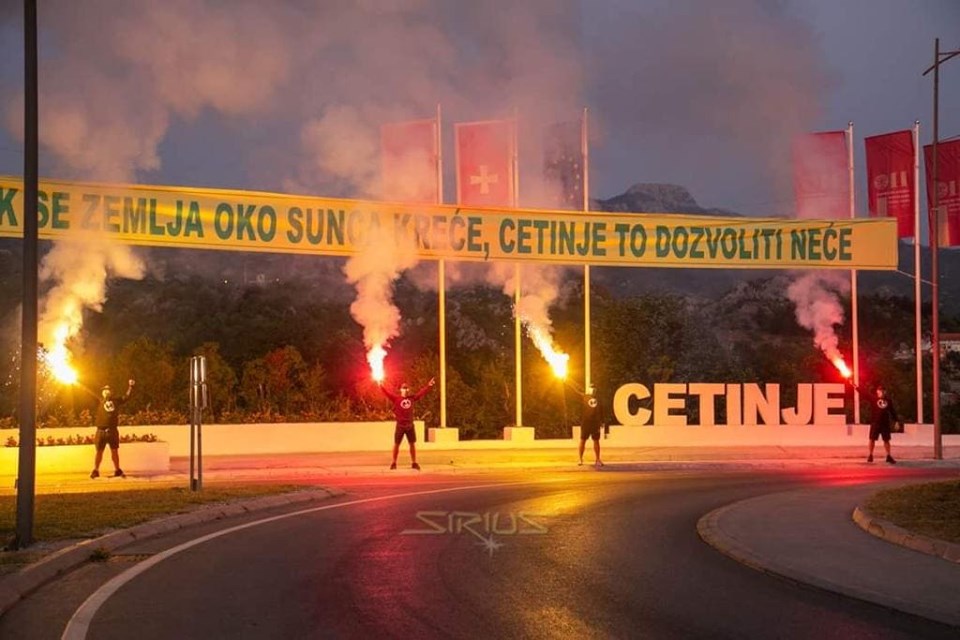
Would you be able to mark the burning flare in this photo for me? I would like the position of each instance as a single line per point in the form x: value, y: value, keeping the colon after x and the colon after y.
x: 375, y: 357
x: 57, y: 358
x: 841, y: 366
x: 78, y: 269
x: 556, y: 358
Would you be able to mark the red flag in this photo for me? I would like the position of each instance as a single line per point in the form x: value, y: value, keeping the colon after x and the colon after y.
x: 485, y: 163
x: 820, y: 175
x: 408, y: 157
x: 948, y: 189
x: 890, y: 188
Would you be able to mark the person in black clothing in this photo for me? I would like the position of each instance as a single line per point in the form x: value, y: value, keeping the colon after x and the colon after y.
x: 592, y: 420
x: 403, y: 411
x: 882, y: 418
x: 107, y: 421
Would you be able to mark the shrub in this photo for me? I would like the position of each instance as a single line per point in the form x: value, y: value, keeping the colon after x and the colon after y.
x: 51, y: 441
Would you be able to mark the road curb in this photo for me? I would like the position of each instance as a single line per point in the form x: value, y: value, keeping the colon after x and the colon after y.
x: 886, y: 530
x: 710, y: 531
x: 17, y: 586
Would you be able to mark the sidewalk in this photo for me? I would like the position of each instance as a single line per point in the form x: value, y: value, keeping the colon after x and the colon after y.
x: 809, y: 536
x: 293, y: 466
x: 274, y: 467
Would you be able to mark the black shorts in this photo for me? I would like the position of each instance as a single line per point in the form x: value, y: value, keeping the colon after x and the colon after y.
x: 590, y: 432
x: 106, y: 437
x: 877, y: 431
x: 404, y: 430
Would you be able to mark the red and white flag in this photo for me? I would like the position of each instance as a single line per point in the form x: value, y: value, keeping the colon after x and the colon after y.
x: 948, y: 189
x: 820, y: 175
x: 485, y: 163
x: 409, y: 155
x: 890, y: 186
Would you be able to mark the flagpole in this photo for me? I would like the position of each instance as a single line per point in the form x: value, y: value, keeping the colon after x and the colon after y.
x: 442, y: 283
x: 916, y: 267
x: 853, y: 286
x: 934, y: 216
x: 518, y: 344
x: 585, y: 155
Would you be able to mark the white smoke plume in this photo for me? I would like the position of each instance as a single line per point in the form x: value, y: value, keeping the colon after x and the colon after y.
x: 816, y: 295
x: 78, y: 268
x: 105, y: 109
x: 303, y: 87
x: 373, y: 271
x: 539, y: 289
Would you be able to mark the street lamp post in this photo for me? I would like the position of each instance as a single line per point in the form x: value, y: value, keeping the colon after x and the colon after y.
x: 939, y: 57
x: 27, y: 461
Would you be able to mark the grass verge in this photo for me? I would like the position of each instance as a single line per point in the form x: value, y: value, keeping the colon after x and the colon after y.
x: 86, y: 515
x: 931, y: 509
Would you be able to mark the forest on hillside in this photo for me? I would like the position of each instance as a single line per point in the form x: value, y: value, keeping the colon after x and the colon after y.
x: 286, y: 349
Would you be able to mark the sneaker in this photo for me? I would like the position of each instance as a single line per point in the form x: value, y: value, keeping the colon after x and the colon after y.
x: 869, y: 458
x: 598, y: 464
x: 415, y: 466
x: 891, y: 460
x: 119, y: 474
x: 580, y: 464
x: 94, y: 474
x: 393, y: 466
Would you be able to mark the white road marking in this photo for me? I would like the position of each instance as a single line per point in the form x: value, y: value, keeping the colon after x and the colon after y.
x: 79, y: 623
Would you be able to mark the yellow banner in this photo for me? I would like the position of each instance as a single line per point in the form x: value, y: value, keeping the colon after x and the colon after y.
x: 255, y: 221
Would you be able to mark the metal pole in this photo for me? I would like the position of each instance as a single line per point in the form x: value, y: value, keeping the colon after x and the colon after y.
x: 855, y: 320
x: 516, y: 294
x: 27, y: 463
x: 935, y: 259
x: 518, y: 343
x: 193, y: 421
x: 199, y: 448
x: 585, y: 158
x: 916, y: 268
x: 441, y: 285
x: 935, y: 245
x: 193, y: 440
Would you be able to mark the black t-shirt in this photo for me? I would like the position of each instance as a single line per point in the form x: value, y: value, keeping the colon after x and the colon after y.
x: 592, y: 415
x: 108, y: 413
x: 883, y: 414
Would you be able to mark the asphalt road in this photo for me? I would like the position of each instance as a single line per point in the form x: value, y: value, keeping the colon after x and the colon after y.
x: 544, y: 554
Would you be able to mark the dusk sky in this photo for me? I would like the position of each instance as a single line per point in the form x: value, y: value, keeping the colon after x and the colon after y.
x: 288, y: 96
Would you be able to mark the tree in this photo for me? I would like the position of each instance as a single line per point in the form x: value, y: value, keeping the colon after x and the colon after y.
x: 254, y: 387
x: 285, y: 379
x: 221, y: 380
x: 315, y: 387
x: 151, y: 364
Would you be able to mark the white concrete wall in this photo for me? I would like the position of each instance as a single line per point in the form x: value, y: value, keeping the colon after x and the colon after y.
x: 248, y: 439
x: 760, y: 435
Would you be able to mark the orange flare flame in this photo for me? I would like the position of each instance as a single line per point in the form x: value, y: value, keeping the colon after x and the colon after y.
x: 375, y: 357
x: 841, y: 366
x: 57, y: 359
x: 555, y: 358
